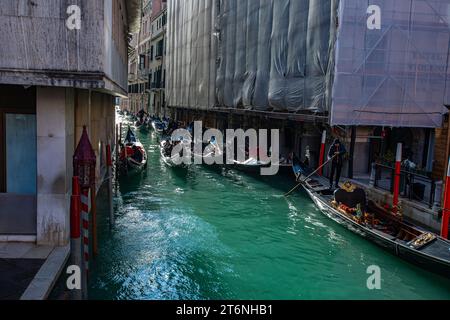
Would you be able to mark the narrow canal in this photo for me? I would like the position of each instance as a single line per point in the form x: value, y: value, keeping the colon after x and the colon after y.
x: 204, y: 234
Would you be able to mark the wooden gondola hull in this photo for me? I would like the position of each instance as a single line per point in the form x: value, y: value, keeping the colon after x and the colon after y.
x: 254, y: 169
x: 130, y: 167
x: 427, y: 263
x: 418, y: 258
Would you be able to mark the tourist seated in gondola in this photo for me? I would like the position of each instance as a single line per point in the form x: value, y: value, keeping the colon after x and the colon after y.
x: 141, y: 114
x: 167, y: 148
x: 352, y: 198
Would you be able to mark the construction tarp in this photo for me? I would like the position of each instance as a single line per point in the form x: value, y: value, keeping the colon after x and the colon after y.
x: 191, y: 53
x: 276, y: 54
x: 262, y: 55
x: 395, y: 75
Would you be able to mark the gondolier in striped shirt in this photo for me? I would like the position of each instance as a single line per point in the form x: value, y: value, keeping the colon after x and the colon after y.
x: 338, y: 151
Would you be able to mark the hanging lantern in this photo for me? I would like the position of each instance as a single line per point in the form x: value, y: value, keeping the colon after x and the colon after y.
x: 84, y: 161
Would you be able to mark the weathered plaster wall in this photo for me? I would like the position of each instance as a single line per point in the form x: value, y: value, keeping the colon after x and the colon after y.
x: 38, y: 38
x: 55, y: 145
x: 41, y: 50
x: 96, y: 111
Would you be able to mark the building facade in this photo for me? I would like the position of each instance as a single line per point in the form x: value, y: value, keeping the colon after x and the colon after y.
x: 158, y: 58
x: 147, y: 62
x: 58, y: 73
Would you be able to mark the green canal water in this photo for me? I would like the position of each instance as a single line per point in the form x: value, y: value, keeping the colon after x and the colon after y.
x: 204, y: 234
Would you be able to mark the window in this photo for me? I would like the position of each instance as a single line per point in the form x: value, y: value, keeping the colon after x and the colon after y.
x: 141, y: 62
x: 160, y: 48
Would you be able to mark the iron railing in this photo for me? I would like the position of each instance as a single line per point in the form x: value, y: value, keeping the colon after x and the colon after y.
x: 413, y: 186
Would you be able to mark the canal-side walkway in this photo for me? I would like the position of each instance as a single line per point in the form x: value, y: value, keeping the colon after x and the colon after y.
x: 28, y: 271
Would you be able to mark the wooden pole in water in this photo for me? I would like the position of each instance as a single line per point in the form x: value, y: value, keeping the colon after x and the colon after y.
x: 446, y: 209
x: 322, y: 152
x: 75, y: 232
x: 110, y: 186
x: 398, y: 168
x: 94, y: 221
x: 352, y: 153
x: 85, y: 219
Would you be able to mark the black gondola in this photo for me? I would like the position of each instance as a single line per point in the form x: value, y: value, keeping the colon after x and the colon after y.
x: 405, y: 240
x: 166, y: 148
x: 133, y: 157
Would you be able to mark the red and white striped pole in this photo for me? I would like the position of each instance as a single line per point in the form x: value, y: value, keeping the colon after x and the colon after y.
x: 75, y: 230
x: 85, y: 224
x: 322, y: 152
x: 446, y: 209
x: 398, y: 168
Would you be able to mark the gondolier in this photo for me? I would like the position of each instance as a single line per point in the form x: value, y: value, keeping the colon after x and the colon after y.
x: 338, y: 151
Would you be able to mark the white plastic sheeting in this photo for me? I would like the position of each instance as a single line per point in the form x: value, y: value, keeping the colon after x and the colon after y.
x: 276, y: 54
x: 394, y: 76
x: 271, y: 54
x: 191, y: 53
x: 313, y: 55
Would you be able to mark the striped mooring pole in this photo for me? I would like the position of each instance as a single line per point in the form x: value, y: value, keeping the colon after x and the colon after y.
x: 75, y: 232
x: 322, y: 152
x: 446, y: 209
x: 398, y: 168
x: 85, y: 236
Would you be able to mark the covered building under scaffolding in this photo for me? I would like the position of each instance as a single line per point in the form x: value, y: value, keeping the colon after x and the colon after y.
x: 373, y: 74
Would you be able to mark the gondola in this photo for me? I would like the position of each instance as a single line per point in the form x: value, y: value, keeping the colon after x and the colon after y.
x: 142, y: 125
x: 348, y: 207
x: 166, y: 148
x: 133, y: 157
x: 251, y: 165
x: 158, y: 126
x: 211, y: 151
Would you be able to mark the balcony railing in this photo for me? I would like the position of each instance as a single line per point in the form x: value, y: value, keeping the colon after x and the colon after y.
x: 413, y: 186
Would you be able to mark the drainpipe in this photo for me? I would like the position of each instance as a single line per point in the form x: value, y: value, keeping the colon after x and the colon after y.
x: 446, y: 209
x: 398, y: 167
x: 322, y: 152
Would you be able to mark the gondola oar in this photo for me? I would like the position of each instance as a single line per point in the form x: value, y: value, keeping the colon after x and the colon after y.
x: 302, y: 181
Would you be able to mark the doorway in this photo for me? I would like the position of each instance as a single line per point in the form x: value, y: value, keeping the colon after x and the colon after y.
x: 18, y: 161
